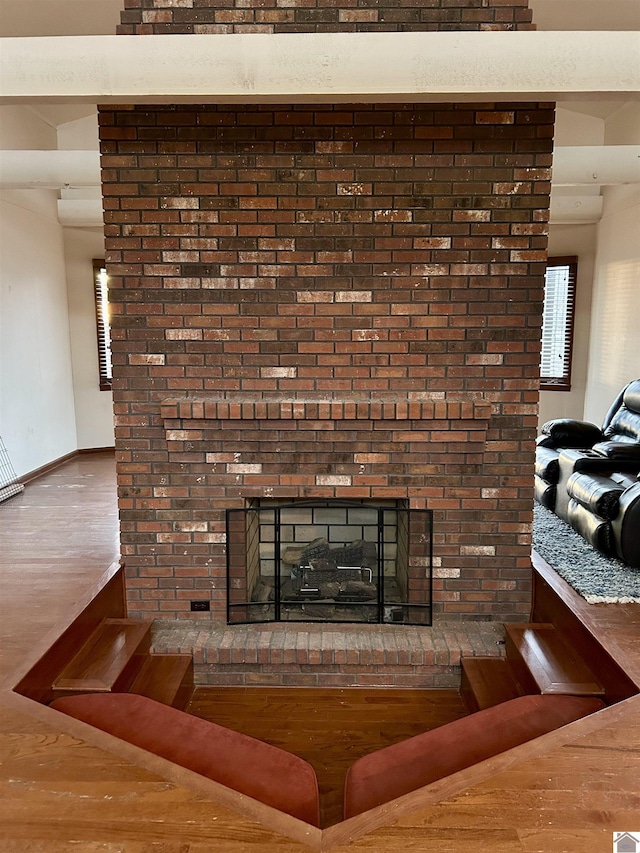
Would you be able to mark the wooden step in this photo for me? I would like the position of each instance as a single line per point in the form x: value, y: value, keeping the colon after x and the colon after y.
x: 487, y: 682
x: 167, y: 679
x: 108, y: 661
x: 544, y: 663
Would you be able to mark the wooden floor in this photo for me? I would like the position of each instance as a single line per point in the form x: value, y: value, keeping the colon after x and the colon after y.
x: 328, y: 728
x: 60, y: 793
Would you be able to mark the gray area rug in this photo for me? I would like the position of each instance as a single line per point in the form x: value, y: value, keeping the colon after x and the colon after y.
x: 598, y: 579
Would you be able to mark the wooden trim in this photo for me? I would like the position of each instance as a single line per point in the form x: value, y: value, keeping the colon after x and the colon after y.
x: 30, y: 476
x: 349, y: 830
x: 269, y: 817
x: 104, y: 599
x: 45, y: 469
x: 555, y: 601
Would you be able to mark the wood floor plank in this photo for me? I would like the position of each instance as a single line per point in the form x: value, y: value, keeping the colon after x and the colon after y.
x: 60, y: 794
x: 328, y: 728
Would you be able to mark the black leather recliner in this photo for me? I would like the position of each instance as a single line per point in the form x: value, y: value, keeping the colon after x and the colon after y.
x: 589, y: 476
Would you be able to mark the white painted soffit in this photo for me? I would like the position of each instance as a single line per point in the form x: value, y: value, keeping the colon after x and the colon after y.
x: 321, y: 68
x: 588, y: 165
x: 575, y: 210
x: 595, y: 165
x: 80, y: 212
x: 49, y: 169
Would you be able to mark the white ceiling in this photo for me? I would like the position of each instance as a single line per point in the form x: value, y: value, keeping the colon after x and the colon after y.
x: 586, y: 14
x: 100, y: 17
x: 59, y: 17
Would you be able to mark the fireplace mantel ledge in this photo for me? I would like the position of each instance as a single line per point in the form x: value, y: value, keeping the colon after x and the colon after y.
x: 218, y: 407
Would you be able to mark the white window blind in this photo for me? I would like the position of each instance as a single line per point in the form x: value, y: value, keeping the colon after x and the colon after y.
x: 100, y: 280
x: 557, y: 323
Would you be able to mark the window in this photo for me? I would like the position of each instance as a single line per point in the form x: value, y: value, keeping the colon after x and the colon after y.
x: 557, y: 324
x: 100, y: 280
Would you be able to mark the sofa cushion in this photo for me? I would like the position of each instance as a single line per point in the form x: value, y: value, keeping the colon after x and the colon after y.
x: 598, y: 494
x: 396, y: 770
x: 245, y: 764
x: 566, y: 432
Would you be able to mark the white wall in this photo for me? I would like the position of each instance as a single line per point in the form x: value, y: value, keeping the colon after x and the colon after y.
x: 607, y: 330
x: 623, y: 126
x: 576, y: 128
x: 79, y: 133
x: 50, y: 401
x: 93, y: 407
x: 579, y: 240
x: 615, y: 323
x: 37, y: 419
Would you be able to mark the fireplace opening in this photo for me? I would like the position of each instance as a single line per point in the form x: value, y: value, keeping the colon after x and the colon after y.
x: 329, y: 561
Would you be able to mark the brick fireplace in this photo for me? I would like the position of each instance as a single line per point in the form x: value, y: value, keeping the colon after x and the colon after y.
x: 326, y: 302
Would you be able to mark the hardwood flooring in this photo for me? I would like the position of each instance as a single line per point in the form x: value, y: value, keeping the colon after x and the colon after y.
x: 328, y: 728
x: 60, y: 793
x: 56, y: 539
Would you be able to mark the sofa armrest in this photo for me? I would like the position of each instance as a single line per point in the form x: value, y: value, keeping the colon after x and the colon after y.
x: 566, y: 432
x: 545, y: 493
x: 626, y: 525
x: 600, y: 495
x: 628, y: 451
x: 547, y: 466
x: 593, y: 529
x: 588, y: 461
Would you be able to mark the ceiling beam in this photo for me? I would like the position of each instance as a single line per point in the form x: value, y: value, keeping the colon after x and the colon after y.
x: 55, y: 169
x: 321, y: 68
x: 595, y: 165
x: 585, y: 165
x: 565, y: 210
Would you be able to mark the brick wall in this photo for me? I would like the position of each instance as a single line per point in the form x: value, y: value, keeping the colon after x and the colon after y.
x: 388, y: 254
x: 299, y: 16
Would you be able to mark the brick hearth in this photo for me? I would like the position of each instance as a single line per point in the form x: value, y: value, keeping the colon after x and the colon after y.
x: 316, y: 655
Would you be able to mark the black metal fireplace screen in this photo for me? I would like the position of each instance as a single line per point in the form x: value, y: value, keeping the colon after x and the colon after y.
x: 329, y: 561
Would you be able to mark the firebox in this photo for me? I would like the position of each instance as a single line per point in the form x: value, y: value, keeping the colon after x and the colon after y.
x: 329, y: 561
